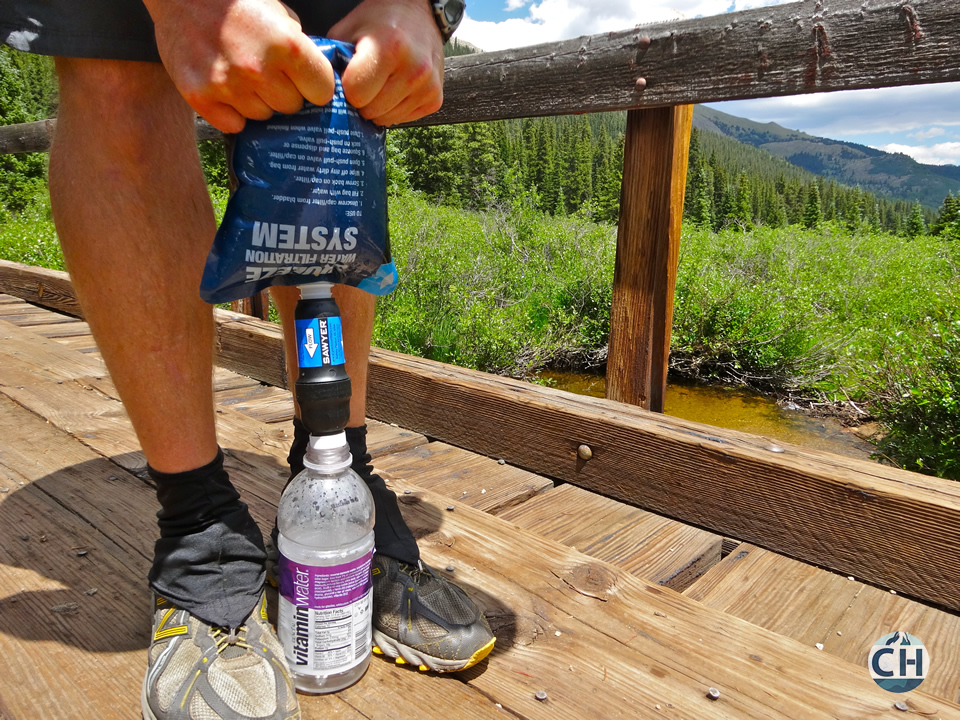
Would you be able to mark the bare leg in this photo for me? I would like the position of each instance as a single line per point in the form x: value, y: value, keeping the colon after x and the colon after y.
x: 135, y: 223
x: 357, y: 309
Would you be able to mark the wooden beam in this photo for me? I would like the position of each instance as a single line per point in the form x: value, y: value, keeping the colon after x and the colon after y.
x: 800, y: 47
x: 886, y: 526
x: 648, y: 248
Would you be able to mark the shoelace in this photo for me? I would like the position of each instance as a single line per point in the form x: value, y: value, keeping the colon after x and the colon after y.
x: 224, y: 637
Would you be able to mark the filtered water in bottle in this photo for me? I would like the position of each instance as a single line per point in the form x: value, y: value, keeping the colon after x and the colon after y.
x: 325, y: 520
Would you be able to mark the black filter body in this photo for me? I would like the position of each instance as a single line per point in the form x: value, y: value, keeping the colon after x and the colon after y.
x: 323, y: 386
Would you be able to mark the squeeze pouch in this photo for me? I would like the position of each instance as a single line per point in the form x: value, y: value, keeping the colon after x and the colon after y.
x: 311, y: 201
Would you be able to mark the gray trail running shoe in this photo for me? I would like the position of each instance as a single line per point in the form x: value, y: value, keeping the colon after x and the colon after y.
x: 421, y: 618
x: 198, y: 671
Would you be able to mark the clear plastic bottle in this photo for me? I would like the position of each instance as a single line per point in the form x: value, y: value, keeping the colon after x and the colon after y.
x: 325, y: 520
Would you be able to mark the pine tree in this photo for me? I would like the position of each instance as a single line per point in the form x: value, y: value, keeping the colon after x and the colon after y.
x: 434, y: 158
x: 916, y: 226
x: 812, y: 211
x: 482, y: 166
x: 700, y: 203
x: 742, y: 211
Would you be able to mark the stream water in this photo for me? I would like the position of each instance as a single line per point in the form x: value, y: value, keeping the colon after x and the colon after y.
x: 736, y: 409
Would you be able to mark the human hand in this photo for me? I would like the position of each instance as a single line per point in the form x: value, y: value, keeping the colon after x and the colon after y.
x: 238, y: 59
x: 396, y: 74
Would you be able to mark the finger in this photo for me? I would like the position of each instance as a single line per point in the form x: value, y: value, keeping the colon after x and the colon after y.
x: 252, y: 107
x: 367, y: 72
x: 408, y: 111
x: 280, y: 94
x: 223, y: 117
x: 309, y: 70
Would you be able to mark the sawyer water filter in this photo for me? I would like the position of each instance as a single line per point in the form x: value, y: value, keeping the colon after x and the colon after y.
x: 311, y: 202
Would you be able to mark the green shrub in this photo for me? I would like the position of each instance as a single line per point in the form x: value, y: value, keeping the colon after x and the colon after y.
x: 916, y: 391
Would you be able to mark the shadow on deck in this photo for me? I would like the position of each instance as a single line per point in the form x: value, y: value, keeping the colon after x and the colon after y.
x: 611, y: 610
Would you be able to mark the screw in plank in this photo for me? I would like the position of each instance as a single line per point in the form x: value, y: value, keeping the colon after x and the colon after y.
x: 450, y: 508
x: 584, y: 452
x: 407, y: 492
x: 540, y: 695
x: 901, y: 706
x: 775, y: 449
x: 451, y: 568
x: 713, y: 694
x: 641, y: 83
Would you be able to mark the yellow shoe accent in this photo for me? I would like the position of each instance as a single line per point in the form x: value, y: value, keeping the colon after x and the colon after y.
x: 423, y: 668
x: 163, y: 632
x: 400, y: 661
x: 377, y: 650
x: 479, y: 654
x: 263, y: 605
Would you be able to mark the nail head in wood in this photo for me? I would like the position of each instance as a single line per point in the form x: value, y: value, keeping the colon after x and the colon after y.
x: 584, y: 452
x: 713, y: 694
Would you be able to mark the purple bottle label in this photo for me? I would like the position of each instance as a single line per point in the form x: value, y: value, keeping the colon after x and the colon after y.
x: 325, y: 614
x: 318, y: 587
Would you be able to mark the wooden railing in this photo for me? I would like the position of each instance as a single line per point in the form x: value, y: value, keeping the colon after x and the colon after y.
x: 890, y: 527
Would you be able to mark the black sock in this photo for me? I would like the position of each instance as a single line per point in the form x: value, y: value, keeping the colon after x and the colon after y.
x: 210, y: 556
x: 392, y: 536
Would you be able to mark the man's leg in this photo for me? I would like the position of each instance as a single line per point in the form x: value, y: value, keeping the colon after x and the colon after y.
x: 419, y: 617
x: 135, y: 223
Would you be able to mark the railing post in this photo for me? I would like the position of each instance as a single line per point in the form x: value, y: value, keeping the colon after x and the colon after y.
x: 648, y: 247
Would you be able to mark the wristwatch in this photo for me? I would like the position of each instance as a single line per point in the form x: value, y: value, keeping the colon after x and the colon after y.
x: 448, y: 14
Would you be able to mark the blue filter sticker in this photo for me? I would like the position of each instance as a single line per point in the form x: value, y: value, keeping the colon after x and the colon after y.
x: 319, y: 342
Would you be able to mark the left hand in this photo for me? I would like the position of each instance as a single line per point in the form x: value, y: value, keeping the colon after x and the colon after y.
x: 396, y: 74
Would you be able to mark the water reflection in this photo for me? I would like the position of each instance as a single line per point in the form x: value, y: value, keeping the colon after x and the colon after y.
x: 736, y: 409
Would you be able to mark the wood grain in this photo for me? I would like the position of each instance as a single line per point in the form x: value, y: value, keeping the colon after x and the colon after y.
x: 648, y: 249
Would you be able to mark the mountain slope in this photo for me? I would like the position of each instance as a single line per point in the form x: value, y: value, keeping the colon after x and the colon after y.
x: 885, y: 174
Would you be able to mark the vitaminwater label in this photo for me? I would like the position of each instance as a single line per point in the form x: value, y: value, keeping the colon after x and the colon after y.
x: 326, y: 614
x: 319, y: 342
x: 311, y: 203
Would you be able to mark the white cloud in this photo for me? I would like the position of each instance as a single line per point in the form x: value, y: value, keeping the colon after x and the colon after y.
x: 927, y: 134
x: 940, y: 154
x: 553, y: 20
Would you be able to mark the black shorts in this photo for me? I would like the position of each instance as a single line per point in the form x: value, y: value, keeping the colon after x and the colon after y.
x: 117, y: 29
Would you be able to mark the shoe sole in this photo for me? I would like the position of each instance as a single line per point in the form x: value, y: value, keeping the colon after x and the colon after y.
x: 144, y: 705
x: 404, y: 655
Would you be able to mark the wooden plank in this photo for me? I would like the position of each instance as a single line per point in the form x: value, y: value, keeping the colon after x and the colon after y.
x: 266, y: 403
x: 834, y: 511
x: 784, y: 595
x: 648, y: 249
x: 655, y: 548
x: 877, y: 612
x: 844, y: 615
x: 553, y: 607
x: 799, y: 47
x: 70, y: 329
x: 479, y: 481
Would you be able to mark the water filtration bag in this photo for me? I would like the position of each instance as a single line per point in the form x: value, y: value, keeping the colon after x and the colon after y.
x: 311, y: 204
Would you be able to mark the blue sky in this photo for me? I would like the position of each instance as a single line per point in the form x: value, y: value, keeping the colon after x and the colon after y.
x: 921, y: 121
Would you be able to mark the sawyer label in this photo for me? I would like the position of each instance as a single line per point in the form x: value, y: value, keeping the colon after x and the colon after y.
x: 311, y: 204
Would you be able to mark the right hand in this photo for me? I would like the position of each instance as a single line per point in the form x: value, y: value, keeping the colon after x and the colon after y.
x: 238, y: 59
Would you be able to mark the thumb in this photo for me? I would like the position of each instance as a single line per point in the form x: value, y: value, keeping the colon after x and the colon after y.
x: 310, y: 71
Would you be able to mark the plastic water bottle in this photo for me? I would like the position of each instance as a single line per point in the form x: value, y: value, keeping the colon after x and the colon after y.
x: 325, y: 520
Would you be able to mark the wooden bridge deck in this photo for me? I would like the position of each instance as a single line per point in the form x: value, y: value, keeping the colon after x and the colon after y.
x: 611, y: 610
